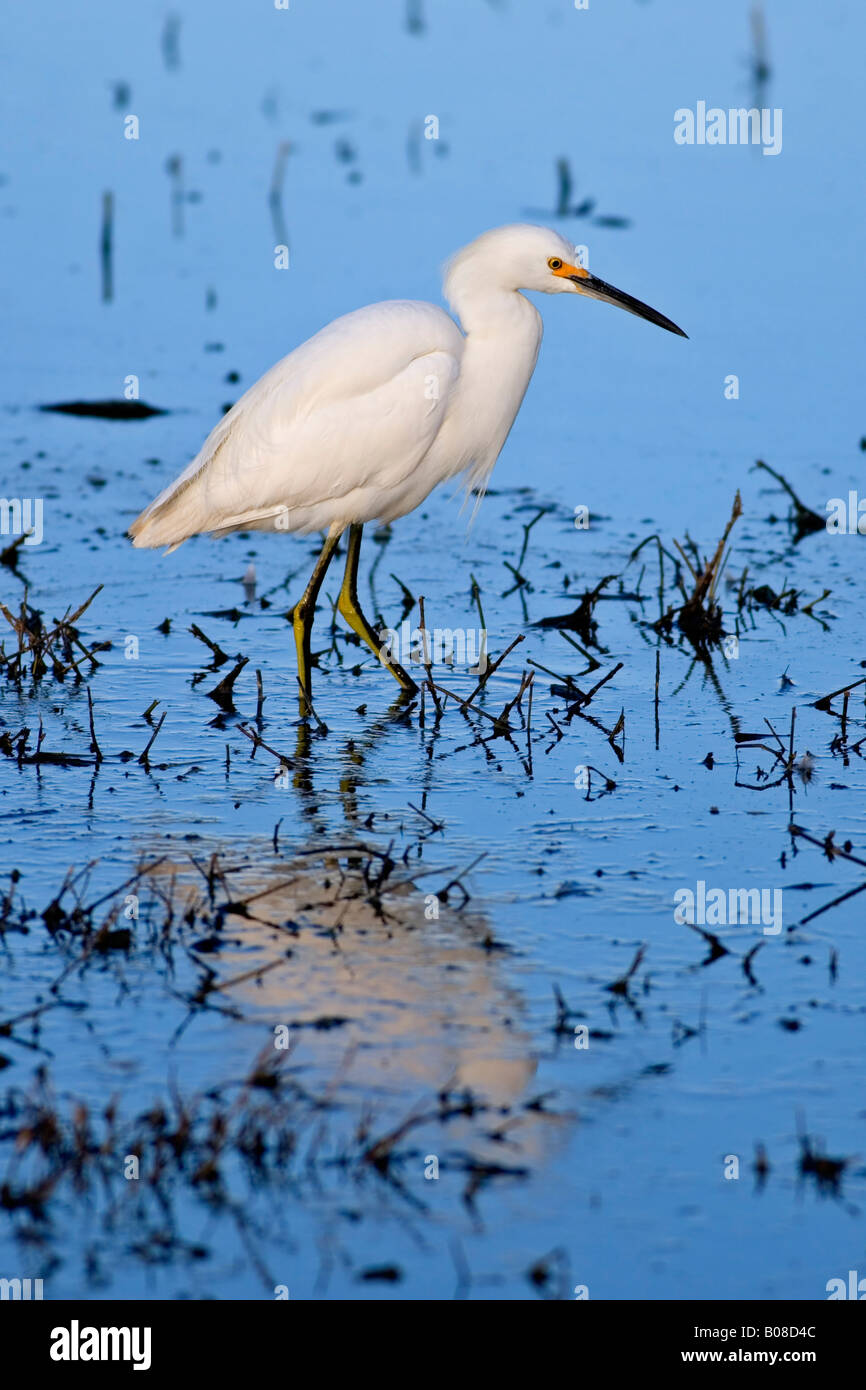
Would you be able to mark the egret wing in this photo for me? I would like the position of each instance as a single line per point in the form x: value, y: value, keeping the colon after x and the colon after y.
x: 342, y: 421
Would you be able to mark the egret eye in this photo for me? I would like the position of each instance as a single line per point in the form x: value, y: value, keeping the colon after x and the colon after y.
x: 555, y: 263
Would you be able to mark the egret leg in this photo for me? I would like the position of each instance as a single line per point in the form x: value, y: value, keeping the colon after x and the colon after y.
x: 350, y: 608
x: 302, y: 620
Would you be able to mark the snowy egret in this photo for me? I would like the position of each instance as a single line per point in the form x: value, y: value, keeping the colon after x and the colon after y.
x: 364, y: 419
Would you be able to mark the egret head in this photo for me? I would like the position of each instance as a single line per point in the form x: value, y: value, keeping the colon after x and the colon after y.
x: 526, y: 257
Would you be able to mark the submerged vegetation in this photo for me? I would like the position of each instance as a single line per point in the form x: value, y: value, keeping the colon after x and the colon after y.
x: 316, y: 948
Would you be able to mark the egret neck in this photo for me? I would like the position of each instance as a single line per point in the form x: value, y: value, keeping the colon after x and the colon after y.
x: 503, y: 332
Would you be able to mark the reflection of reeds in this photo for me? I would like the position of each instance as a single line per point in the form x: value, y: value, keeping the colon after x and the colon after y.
x: 174, y: 169
x: 831, y: 852
x: 564, y: 207
x: 415, y: 16
x: 760, y: 61
x: 563, y: 177
x: 171, y: 41
x: 106, y: 247
x: 275, y: 193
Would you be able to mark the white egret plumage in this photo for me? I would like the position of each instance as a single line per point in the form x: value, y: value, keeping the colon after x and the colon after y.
x: 364, y: 419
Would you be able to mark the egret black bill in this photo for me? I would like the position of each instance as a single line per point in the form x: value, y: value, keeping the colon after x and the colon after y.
x: 599, y: 289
